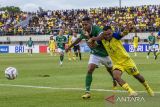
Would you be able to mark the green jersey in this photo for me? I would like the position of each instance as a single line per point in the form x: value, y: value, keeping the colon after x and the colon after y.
x: 30, y: 43
x: 151, y: 39
x: 61, y: 40
x: 99, y: 50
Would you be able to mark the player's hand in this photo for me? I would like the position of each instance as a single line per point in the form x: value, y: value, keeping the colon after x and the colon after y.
x: 91, y: 43
x: 86, y: 34
x: 90, y: 40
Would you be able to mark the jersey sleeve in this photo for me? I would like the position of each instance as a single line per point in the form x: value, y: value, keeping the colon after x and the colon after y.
x: 99, y: 31
x: 117, y: 35
x: 159, y: 33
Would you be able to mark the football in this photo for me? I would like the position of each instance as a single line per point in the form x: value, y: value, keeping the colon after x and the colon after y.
x: 11, y: 73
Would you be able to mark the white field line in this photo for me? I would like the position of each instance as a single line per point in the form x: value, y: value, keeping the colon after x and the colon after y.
x: 78, y: 89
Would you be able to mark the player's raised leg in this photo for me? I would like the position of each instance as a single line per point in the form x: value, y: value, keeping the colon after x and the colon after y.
x: 117, y: 75
x: 141, y: 79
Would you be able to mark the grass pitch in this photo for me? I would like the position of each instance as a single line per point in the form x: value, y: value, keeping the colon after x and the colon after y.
x: 43, y: 83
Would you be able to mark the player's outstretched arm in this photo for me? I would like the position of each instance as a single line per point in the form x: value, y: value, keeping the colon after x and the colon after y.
x: 74, y: 43
x: 98, y: 38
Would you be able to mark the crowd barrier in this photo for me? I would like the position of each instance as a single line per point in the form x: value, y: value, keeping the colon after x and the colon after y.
x: 84, y: 48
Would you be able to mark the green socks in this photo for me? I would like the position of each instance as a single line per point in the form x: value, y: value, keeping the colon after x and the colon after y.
x: 61, y: 58
x: 88, y: 82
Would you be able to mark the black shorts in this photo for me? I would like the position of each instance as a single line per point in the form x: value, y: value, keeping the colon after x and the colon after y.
x: 76, y: 48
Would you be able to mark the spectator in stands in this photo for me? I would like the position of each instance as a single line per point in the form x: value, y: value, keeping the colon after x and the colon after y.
x: 139, y: 18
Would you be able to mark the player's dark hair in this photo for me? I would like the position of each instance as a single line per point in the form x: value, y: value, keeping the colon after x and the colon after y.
x: 106, y: 27
x: 86, y: 18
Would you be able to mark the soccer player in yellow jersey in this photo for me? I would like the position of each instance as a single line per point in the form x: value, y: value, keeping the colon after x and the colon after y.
x: 52, y: 46
x: 135, y: 40
x: 122, y: 62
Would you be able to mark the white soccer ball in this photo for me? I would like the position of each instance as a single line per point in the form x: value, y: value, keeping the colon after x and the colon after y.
x: 11, y: 73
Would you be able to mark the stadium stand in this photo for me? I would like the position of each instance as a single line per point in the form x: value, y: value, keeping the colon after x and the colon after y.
x: 141, y: 19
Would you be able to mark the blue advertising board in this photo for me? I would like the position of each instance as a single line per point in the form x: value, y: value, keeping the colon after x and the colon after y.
x: 4, y: 49
x: 141, y: 47
x: 128, y: 47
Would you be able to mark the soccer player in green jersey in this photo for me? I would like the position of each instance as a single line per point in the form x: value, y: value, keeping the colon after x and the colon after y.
x: 61, y: 41
x: 30, y: 45
x: 98, y: 53
x: 151, y: 40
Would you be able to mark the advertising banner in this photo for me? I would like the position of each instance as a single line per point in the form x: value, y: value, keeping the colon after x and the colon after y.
x: 4, y: 49
x: 141, y: 47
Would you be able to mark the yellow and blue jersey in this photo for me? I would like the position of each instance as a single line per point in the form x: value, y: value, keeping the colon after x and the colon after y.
x: 120, y: 58
x: 115, y: 49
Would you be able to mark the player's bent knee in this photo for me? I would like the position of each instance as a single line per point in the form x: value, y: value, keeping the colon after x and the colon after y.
x: 117, y: 74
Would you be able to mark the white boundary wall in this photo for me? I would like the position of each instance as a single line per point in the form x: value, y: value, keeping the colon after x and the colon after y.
x: 46, y: 37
